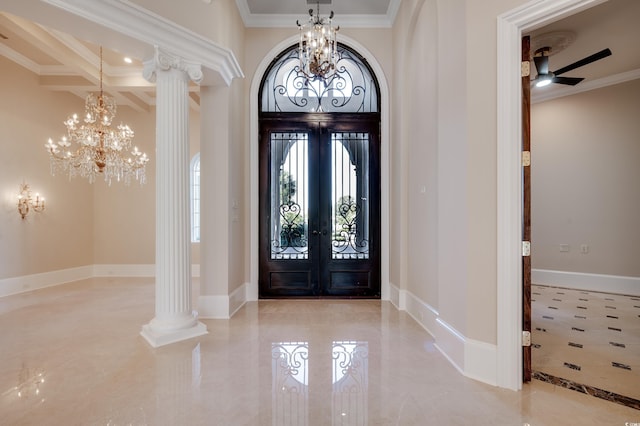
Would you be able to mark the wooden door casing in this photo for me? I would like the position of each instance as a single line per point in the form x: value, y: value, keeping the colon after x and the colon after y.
x: 526, y: 211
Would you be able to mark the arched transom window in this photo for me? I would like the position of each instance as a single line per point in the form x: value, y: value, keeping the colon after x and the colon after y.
x: 352, y: 89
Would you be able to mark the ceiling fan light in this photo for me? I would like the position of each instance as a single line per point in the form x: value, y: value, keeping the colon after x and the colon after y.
x: 544, y: 81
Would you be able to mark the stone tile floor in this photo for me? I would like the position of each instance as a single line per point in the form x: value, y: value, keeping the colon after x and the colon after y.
x: 73, y: 355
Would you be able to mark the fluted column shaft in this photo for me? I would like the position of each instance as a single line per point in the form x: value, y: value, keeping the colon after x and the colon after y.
x: 174, y: 317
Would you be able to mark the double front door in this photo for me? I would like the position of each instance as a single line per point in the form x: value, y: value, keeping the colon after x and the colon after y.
x: 319, y: 206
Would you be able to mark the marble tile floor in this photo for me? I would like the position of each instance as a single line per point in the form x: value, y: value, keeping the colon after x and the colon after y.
x: 73, y: 355
x: 588, y: 338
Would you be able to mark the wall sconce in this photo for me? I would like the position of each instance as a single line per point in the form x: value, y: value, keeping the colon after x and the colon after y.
x: 26, y: 201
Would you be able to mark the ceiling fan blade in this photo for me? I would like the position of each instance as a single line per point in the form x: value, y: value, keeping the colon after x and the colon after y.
x: 582, y: 62
x: 542, y: 64
x: 569, y: 81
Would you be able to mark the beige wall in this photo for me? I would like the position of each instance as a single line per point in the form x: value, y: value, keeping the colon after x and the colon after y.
x: 481, y: 188
x: 62, y: 236
x: 225, y: 167
x: 585, y: 181
x: 444, y: 143
x: 414, y: 152
x: 124, y: 217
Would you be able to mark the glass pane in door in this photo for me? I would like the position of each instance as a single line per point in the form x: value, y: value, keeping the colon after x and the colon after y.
x: 350, y: 195
x: 289, y: 196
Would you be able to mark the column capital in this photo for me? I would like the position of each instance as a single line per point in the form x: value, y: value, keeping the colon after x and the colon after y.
x: 165, y: 61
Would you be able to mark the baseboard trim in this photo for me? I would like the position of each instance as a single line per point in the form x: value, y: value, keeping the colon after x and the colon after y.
x: 588, y: 282
x: 480, y: 361
x: 223, y: 306
x: 25, y: 283
x: 423, y: 313
x: 394, y: 295
x: 472, y: 358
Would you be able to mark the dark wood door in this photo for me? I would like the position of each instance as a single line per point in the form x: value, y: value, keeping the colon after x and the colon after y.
x: 319, y: 206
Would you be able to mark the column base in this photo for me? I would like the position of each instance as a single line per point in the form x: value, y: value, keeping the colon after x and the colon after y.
x: 160, y: 338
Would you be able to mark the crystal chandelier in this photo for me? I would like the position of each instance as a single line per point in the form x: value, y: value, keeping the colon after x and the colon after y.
x: 318, y: 47
x: 100, y: 148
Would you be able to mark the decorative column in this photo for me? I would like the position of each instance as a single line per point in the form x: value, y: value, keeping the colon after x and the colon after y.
x: 175, y: 319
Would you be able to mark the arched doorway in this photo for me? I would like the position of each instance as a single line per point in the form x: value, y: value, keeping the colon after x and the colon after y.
x: 319, y: 161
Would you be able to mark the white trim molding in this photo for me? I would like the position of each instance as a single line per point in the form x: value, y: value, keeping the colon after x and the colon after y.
x: 222, y: 306
x: 615, y: 284
x: 22, y: 284
x: 25, y: 283
x: 123, y: 21
x: 472, y: 358
x: 394, y: 296
x: 423, y: 313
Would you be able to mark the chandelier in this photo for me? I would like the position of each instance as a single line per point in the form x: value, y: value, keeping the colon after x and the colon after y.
x: 99, y: 148
x: 318, y: 47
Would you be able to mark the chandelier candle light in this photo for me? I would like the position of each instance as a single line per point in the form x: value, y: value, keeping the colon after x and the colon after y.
x: 26, y: 202
x: 100, y: 148
x: 318, y: 46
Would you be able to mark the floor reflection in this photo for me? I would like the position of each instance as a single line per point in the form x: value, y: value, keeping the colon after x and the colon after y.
x: 291, y: 385
x: 28, y: 387
x: 350, y: 383
x: 290, y: 381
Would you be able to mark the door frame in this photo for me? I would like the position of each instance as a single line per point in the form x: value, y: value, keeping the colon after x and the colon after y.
x: 511, y: 26
x: 252, y: 290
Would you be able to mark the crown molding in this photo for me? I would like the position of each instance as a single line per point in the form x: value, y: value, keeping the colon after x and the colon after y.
x: 124, y: 17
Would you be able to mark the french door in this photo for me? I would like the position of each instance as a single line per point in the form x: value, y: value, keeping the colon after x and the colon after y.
x: 320, y: 206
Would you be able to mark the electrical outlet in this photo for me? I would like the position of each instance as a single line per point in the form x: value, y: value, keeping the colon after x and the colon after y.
x: 584, y: 249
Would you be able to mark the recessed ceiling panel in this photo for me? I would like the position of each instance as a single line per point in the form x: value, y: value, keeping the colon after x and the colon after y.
x: 345, y: 7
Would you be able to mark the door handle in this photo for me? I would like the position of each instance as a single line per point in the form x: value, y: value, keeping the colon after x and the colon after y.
x: 315, y: 232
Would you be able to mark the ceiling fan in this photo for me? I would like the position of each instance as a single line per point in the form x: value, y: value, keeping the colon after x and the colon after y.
x: 545, y: 77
